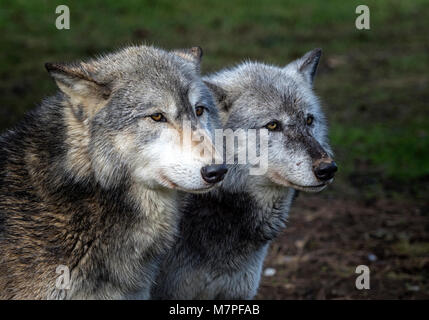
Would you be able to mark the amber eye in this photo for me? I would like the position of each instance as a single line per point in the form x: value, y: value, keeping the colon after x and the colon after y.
x: 199, y: 111
x: 310, y: 120
x: 273, y: 125
x: 158, y: 117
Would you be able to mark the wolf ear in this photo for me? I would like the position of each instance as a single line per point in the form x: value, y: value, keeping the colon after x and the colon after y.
x: 307, y: 64
x: 77, y: 83
x: 193, y: 54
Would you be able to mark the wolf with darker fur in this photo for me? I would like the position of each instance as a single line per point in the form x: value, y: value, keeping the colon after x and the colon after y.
x: 225, y: 234
x: 88, y: 180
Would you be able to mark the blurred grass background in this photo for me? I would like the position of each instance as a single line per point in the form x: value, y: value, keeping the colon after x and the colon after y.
x: 373, y: 83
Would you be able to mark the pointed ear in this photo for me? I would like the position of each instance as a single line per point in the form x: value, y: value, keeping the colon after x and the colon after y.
x: 307, y: 64
x: 220, y: 96
x: 77, y: 83
x: 193, y: 54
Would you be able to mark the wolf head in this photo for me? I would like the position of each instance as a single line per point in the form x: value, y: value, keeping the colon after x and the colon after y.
x: 281, y: 100
x: 124, y: 115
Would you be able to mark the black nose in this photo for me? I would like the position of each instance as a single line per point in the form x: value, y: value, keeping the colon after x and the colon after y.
x: 325, y: 170
x: 213, y: 173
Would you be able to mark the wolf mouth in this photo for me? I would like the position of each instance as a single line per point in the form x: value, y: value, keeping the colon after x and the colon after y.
x: 314, y: 188
x: 173, y: 185
x: 278, y: 179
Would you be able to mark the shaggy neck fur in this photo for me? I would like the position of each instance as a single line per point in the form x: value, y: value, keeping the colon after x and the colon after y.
x: 224, y: 236
x: 260, y: 210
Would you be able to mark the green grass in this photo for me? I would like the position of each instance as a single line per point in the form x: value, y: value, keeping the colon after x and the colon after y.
x: 392, y: 154
x: 374, y: 84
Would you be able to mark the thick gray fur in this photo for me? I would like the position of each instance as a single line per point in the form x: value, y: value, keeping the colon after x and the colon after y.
x: 225, y: 234
x: 88, y: 182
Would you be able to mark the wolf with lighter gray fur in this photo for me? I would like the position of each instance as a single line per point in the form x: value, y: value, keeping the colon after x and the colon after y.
x: 88, y: 180
x: 225, y: 234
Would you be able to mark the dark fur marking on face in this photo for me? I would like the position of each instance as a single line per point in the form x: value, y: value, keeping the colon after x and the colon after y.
x: 313, y: 147
x: 220, y: 95
x: 78, y: 112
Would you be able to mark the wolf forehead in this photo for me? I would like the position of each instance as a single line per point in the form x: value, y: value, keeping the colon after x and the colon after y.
x: 143, y: 63
x: 136, y: 66
x: 268, y: 86
x: 142, y: 76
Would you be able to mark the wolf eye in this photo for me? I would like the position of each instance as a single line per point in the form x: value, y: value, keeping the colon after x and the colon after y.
x: 158, y: 117
x: 199, y: 111
x: 273, y: 125
x: 310, y: 120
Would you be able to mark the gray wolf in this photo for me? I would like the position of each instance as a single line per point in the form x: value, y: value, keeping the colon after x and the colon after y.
x: 88, y: 180
x: 225, y: 234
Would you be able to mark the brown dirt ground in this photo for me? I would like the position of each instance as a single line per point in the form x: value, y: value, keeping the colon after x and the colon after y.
x: 326, y: 239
